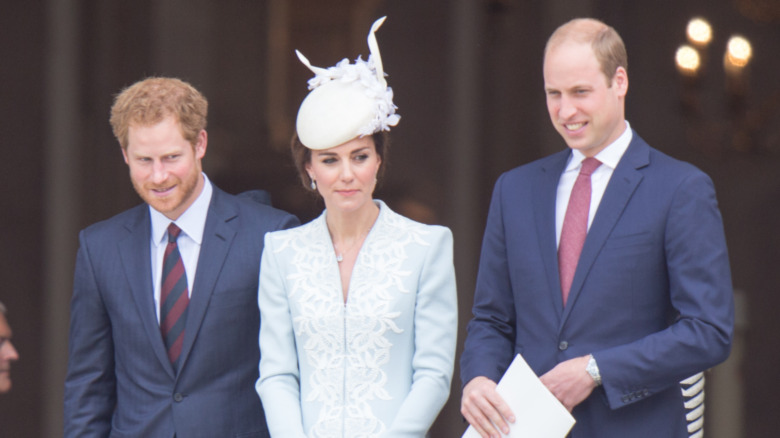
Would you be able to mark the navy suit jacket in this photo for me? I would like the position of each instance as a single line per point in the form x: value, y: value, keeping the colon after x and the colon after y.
x: 119, y: 381
x: 651, y: 298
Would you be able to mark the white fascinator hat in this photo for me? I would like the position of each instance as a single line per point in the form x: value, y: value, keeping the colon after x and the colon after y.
x: 346, y: 101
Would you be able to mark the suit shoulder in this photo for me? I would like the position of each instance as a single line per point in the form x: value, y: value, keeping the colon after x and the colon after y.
x: 261, y: 210
x: 640, y: 154
x: 297, y: 229
x: 673, y: 171
x: 682, y: 167
x: 254, y: 207
x: 117, y: 223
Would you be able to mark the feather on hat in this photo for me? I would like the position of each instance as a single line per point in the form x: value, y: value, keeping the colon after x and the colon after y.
x: 347, y: 100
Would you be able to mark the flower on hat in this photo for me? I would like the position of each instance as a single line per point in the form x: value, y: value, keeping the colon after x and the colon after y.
x: 377, y: 99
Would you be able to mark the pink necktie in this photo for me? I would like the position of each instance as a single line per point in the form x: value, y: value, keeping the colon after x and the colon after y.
x: 575, y: 226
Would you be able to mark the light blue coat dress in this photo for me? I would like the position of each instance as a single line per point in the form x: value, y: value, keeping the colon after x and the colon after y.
x: 379, y: 365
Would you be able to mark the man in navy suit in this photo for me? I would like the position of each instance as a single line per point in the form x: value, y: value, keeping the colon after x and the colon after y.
x: 648, y: 298
x: 124, y: 379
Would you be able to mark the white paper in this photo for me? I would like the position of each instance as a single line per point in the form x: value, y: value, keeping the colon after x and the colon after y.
x: 538, y: 413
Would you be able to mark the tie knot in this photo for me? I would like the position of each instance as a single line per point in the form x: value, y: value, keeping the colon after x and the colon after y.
x: 589, y: 165
x: 173, y: 232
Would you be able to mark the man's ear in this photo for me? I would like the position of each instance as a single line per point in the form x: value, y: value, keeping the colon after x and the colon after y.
x: 201, y: 144
x: 620, y: 81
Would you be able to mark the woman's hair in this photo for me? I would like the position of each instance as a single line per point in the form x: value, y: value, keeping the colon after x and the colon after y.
x: 302, y: 156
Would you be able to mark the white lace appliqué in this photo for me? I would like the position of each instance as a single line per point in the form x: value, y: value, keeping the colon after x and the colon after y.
x: 345, y: 345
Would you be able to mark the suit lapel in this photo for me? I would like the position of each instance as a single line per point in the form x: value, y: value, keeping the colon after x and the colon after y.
x: 134, y: 250
x: 544, y: 208
x: 620, y: 189
x: 218, y: 235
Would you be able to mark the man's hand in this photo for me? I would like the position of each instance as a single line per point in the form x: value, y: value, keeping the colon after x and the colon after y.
x: 484, y: 409
x: 569, y: 382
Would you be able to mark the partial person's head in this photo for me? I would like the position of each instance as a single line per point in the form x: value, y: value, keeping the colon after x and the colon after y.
x: 341, y: 141
x: 586, y: 81
x: 160, y: 124
x: 8, y: 353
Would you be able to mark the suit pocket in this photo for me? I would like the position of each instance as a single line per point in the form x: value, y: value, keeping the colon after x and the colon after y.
x: 234, y: 297
x: 618, y: 241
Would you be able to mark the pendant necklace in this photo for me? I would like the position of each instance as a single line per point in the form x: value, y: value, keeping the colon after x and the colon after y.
x: 340, y: 255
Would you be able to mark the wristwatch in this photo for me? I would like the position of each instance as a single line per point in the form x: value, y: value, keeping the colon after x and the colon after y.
x: 593, y: 370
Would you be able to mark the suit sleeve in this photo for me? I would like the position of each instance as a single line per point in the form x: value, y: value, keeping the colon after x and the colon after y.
x: 279, y: 382
x: 701, y: 292
x: 435, y: 333
x: 90, y: 383
x: 490, y: 342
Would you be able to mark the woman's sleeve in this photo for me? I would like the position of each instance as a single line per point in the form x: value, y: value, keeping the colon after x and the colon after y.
x: 279, y: 382
x: 435, y: 335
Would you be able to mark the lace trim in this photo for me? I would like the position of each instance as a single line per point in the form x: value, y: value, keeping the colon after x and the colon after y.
x: 345, y: 345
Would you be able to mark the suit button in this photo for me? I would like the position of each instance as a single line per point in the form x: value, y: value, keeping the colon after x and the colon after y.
x: 563, y: 345
x: 178, y: 397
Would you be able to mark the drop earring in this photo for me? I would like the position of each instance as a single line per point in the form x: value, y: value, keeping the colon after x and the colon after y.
x: 313, y: 185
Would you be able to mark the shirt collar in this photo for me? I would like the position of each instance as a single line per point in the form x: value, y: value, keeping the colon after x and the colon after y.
x: 609, y: 156
x: 192, y: 221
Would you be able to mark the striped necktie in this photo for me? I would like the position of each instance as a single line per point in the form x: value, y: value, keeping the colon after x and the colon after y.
x: 174, y: 297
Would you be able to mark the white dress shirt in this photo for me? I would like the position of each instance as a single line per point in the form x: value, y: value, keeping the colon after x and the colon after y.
x: 192, y: 222
x: 609, y: 157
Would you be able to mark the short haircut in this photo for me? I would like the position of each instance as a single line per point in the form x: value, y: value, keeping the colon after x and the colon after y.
x: 152, y: 100
x: 604, y: 40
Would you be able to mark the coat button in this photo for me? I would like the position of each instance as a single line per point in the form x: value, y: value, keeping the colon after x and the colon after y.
x: 178, y: 397
x: 563, y: 345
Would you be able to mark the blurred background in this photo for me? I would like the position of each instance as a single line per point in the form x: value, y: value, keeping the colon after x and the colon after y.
x: 467, y: 76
